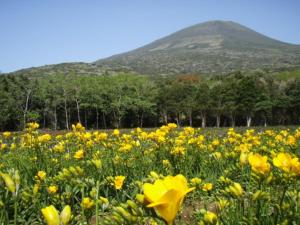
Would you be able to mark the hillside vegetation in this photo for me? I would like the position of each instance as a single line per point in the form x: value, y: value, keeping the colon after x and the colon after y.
x: 215, y: 47
x: 211, y: 48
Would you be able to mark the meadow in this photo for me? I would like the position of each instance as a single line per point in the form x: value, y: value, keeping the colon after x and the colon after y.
x: 164, y: 176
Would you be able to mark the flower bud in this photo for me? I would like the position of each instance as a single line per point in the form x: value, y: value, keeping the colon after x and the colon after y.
x: 97, y: 163
x: 65, y: 215
x: 132, y: 204
x: 10, y: 184
x: 51, y: 215
x: 140, y: 198
x: 123, y: 213
x: 244, y: 158
x: 36, y: 188
x: 210, y: 218
x: 236, y: 190
x: 256, y: 195
x: 154, y: 175
x: 104, y: 200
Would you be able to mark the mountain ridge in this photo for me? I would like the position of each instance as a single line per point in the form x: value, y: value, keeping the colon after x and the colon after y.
x: 221, y: 41
x: 213, y: 47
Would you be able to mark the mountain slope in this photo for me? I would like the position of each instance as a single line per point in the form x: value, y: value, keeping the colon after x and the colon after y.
x: 213, y: 47
x: 74, y: 68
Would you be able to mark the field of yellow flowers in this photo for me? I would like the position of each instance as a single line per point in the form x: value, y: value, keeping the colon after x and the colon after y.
x: 164, y: 176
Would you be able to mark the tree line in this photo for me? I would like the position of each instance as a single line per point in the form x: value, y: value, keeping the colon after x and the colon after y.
x: 130, y: 100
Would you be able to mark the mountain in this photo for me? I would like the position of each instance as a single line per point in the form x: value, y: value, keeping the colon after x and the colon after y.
x: 214, y: 47
x: 77, y: 68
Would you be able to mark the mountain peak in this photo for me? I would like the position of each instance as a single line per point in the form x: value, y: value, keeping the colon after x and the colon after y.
x: 217, y: 23
x: 211, y: 47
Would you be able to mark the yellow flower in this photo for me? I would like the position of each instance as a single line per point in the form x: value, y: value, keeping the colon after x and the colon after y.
x: 104, y: 200
x: 235, y: 189
x: 116, y: 132
x: 166, y: 196
x: 172, y: 125
x: 2, y: 146
x: 6, y: 134
x: 51, y: 215
x: 117, y: 159
x: 36, y: 188
x: 52, y: 189
x: 10, y: 184
x: 67, y: 156
x: 217, y: 155
x: 32, y: 126
x: 118, y: 182
x: 13, y: 146
x: 161, y: 139
x: 65, y: 215
x: 259, y: 164
x: 215, y: 142
x: 79, y: 154
x: 101, y: 136
x: 289, y: 165
x: 166, y: 163
x: 291, y: 140
x: 225, y: 180
x: 44, y: 138
x: 178, y: 150
x: 125, y: 147
x: 195, y: 181
x: 207, y: 187
x: 222, y: 203
x: 97, y: 163
x: 78, y: 127
x: 140, y: 198
x: 59, y: 147
x: 87, y: 203
x: 243, y: 158
x: 154, y: 175
x: 210, y: 218
x: 259, y: 195
x: 41, y: 175
x: 152, y: 222
x: 278, y: 138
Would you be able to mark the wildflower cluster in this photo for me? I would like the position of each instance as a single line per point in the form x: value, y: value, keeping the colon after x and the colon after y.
x: 150, y: 176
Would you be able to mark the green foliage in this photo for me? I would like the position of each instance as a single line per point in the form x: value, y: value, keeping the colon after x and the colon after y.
x: 130, y: 100
x: 288, y: 74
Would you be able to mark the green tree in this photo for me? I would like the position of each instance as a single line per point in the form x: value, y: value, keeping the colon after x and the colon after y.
x: 247, y: 96
x: 202, y: 101
x: 217, y: 101
x: 144, y: 99
x: 189, y: 95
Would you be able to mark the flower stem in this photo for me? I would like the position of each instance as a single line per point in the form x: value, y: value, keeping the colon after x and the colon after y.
x: 280, y: 204
x: 16, y: 210
x: 97, y: 205
x: 82, y: 208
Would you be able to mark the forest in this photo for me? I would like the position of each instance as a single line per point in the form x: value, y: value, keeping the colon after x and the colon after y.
x: 128, y: 100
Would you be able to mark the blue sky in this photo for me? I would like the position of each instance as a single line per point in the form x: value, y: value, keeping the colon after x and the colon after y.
x: 39, y: 32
